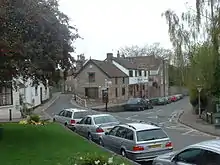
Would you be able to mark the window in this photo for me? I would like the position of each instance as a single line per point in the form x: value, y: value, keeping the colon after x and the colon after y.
x: 133, y: 101
x: 130, y: 73
x: 123, y: 80
x: 113, y: 131
x: 191, y: 156
x: 153, y: 134
x: 88, y: 121
x: 135, y: 73
x: 121, y: 132
x: 83, y: 120
x: 45, y: 90
x: 105, y: 119
x: 116, y: 92
x: 91, y: 76
x: 68, y: 114
x: 36, y: 92
x: 116, y: 80
x: 211, y: 158
x: 140, y: 73
x: 6, y: 95
x: 61, y: 113
x: 123, y: 91
x: 145, y: 73
x: 80, y: 115
x: 129, y: 134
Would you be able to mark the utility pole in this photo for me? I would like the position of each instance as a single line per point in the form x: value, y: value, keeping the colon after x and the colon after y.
x: 164, y: 76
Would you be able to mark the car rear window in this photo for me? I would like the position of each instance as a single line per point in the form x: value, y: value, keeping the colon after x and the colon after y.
x: 153, y: 134
x: 104, y: 119
x: 79, y: 115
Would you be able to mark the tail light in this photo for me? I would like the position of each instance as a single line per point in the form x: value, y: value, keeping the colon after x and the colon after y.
x: 138, y: 148
x: 99, y: 130
x: 72, y: 121
x: 169, y: 144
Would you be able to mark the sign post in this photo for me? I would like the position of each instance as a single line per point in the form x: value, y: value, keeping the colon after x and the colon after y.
x: 199, y: 90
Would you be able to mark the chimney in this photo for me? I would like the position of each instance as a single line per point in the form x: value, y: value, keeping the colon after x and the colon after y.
x: 118, y: 54
x: 109, y: 57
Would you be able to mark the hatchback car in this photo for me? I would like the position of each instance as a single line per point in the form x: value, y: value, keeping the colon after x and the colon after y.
x: 69, y: 117
x: 203, y: 153
x: 94, y: 126
x: 136, y: 104
x: 137, y: 141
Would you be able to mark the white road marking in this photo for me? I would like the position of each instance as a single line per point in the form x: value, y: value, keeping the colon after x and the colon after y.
x: 149, y: 113
x: 188, y: 132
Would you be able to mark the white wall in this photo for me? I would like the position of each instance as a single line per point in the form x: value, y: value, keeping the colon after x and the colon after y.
x: 32, y: 97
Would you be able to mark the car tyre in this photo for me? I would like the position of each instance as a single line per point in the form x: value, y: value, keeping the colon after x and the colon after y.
x: 54, y: 120
x: 65, y: 124
x: 89, y: 137
x: 123, y: 153
x: 101, y: 142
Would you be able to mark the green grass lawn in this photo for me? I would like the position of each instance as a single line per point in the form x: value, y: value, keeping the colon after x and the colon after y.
x: 43, y: 145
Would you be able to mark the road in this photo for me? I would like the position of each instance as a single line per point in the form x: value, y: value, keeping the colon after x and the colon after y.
x: 166, y: 116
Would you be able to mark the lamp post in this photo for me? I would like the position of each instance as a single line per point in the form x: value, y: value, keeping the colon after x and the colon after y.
x: 199, y: 90
x: 107, y: 83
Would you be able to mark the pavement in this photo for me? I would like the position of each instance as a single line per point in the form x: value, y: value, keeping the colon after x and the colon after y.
x: 165, y: 116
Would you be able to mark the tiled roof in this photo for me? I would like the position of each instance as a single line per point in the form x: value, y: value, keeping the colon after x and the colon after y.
x: 140, y: 62
x: 109, y: 69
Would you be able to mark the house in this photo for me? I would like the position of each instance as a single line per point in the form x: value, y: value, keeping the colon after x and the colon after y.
x: 148, y: 75
x: 10, y: 97
x: 97, y: 76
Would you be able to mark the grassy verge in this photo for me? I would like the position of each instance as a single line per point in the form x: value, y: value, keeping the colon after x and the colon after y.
x: 43, y: 145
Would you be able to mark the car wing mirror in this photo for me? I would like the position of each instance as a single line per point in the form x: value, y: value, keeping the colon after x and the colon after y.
x: 174, y: 159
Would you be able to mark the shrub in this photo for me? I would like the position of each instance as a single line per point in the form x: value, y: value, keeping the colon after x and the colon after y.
x: 35, y: 118
x: 93, y: 159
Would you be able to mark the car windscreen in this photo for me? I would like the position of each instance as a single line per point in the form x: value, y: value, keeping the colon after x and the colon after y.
x: 152, y: 134
x: 104, y: 119
x: 79, y: 115
x: 133, y: 101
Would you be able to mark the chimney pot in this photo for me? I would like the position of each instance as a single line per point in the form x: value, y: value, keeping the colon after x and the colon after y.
x: 109, y: 56
x: 118, y: 54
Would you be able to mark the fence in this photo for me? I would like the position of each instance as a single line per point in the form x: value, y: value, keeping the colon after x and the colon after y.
x: 79, y: 100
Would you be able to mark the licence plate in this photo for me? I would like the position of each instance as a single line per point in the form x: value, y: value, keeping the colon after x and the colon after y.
x: 155, y: 146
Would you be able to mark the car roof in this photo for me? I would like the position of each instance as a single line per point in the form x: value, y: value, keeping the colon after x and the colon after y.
x: 211, y: 145
x: 140, y: 126
x: 75, y: 110
x: 98, y: 115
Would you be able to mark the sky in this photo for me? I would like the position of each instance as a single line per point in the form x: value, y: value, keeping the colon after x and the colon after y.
x: 107, y: 25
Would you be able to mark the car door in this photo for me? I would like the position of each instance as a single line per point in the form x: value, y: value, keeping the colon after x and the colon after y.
x: 211, y: 158
x: 109, y: 139
x: 60, y: 116
x: 191, y: 156
x: 128, y: 142
x: 79, y: 126
x: 67, y: 117
x: 118, y: 139
x: 86, y: 128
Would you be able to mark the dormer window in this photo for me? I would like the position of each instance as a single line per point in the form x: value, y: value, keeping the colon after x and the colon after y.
x: 130, y: 73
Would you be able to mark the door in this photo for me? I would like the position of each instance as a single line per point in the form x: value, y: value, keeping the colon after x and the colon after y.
x: 109, y: 139
x: 41, y: 95
x: 79, y: 126
x: 68, y: 117
x: 59, y: 116
x: 211, y: 158
x: 118, y: 139
x: 190, y: 156
x: 87, y: 126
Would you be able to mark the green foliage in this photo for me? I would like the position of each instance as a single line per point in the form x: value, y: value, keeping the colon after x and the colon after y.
x: 35, y: 118
x: 35, y: 39
x: 93, y: 159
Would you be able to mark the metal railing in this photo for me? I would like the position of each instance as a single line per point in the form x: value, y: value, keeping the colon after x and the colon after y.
x: 79, y: 100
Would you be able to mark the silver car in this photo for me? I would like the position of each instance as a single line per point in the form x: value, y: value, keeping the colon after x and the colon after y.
x: 94, y: 126
x: 203, y: 153
x: 137, y: 141
x: 69, y: 117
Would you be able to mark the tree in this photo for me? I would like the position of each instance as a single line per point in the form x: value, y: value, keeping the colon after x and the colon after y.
x: 36, y: 39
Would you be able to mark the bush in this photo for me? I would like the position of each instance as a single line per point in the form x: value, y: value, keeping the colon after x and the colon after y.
x: 93, y: 159
x: 35, y: 118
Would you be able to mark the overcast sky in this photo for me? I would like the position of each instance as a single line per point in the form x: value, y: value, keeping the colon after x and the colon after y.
x: 107, y: 25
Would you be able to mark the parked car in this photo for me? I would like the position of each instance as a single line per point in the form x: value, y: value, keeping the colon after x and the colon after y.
x: 136, y: 104
x: 137, y: 141
x: 155, y: 100
x: 173, y: 98
x: 167, y: 100
x: 162, y: 101
x: 203, y: 153
x: 94, y: 126
x: 69, y: 117
x: 149, y: 104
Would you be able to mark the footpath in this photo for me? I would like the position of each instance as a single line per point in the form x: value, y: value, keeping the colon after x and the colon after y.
x: 40, y: 110
x: 191, y: 120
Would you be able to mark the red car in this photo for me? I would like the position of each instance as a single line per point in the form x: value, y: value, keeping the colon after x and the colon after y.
x: 173, y: 98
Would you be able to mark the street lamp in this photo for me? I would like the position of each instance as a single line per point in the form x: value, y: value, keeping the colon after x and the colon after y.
x: 107, y: 84
x: 199, y: 89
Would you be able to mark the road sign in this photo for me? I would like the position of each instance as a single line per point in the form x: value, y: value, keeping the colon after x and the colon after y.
x: 199, y: 89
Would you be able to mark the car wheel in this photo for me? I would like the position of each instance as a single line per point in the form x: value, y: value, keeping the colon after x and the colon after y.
x: 101, y: 143
x: 123, y: 153
x: 65, y: 124
x: 89, y: 137
x: 54, y: 119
